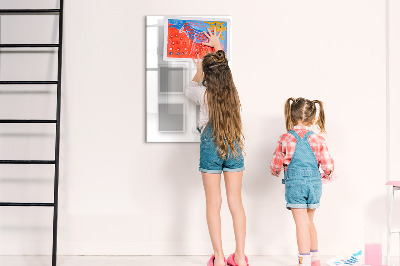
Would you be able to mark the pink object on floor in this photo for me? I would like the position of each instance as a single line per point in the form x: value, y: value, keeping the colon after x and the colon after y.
x: 393, y: 183
x: 211, y: 260
x: 373, y: 254
x: 333, y: 178
x: 231, y: 260
x: 316, y: 263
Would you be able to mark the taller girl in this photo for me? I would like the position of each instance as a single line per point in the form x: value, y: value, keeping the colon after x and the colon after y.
x: 221, y: 147
x: 302, y: 153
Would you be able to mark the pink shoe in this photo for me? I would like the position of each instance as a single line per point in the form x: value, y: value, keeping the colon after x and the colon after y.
x: 211, y: 261
x: 316, y: 263
x: 231, y: 260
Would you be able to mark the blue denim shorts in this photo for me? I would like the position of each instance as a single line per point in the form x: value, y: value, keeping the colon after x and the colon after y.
x: 210, y: 160
x: 303, y: 193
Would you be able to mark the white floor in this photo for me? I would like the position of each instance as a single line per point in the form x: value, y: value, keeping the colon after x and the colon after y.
x: 142, y: 260
x: 135, y: 260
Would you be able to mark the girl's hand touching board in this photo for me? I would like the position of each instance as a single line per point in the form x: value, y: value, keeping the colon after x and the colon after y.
x: 213, y: 39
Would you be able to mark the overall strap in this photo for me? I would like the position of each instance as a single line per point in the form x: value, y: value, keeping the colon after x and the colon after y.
x: 297, y: 136
x: 309, y: 133
x: 294, y: 133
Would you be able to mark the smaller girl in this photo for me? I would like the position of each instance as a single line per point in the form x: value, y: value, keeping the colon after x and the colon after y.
x: 302, y: 153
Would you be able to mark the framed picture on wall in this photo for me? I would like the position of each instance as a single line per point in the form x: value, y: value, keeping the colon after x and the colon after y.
x: 183, y: 37
x: 170, y: 115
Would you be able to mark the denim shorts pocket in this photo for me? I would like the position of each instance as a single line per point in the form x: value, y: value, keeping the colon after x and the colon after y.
x: 208, y: 156
x: 293, y: 191
x: 206, y: 147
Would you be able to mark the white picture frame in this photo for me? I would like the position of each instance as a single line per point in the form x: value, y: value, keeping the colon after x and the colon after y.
x: 200, y: 18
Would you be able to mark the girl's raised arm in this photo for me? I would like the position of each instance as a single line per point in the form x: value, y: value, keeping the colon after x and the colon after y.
x: 194, y: 91
x: 199, y: 73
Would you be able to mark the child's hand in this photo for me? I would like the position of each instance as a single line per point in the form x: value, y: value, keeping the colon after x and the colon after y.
x: 213, y: 39
x: 325, y: 180
x: 273, y: 173
x: 199, y: 66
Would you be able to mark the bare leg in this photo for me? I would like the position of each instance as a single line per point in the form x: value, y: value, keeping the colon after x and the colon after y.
x: 302, y: 221
x: 233, y: 183
x: 313, y: 230
x: 212, y: 188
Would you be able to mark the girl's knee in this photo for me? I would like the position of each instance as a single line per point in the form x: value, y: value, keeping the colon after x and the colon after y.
x: 234, y: 202
x: 303, y: 223
x: 214, y: 201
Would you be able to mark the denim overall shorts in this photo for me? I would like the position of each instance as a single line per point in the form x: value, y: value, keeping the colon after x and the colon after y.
x: 303, y: 186
x: 210, y: 160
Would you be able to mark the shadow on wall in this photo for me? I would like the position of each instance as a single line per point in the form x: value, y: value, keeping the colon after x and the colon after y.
x: 185, y: 187
x: 259, y: 186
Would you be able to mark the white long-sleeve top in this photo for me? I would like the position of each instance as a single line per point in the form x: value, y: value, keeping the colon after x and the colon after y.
x: 196, y: 93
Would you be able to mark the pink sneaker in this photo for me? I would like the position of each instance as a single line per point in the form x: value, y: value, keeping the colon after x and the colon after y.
x: 316, y: 263
x: 211, y: 261
x: 231, y: 260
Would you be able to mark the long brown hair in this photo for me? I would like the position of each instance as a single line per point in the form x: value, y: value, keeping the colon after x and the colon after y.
x: 223, y: 104
x: 303, y: 110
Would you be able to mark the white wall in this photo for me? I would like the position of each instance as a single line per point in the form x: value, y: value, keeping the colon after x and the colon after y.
x: 394, y: 110
x: 120, y: 195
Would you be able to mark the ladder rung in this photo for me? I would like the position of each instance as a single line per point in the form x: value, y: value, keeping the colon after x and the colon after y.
x: 28, y: 11
x: 26, y: 121
x: 33, y: 45
x: 27, y: 161
x: 38, y: 204
x: 395, y: 231
x: 29, y: 82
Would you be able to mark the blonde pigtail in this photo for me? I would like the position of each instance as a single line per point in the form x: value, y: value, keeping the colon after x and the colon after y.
x: 321, y: 116
x: 288, y: 114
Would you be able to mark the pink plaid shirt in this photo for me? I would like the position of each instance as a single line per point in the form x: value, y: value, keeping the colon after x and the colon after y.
x: 287, y: 144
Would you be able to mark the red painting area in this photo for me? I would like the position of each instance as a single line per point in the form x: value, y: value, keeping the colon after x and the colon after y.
x: 181, y: 46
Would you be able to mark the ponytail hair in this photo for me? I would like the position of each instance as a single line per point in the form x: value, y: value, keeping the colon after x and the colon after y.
x: 304, y: 111
x: 321, y: 116
x: 288, y: 114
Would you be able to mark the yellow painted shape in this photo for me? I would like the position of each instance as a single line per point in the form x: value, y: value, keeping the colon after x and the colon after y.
x: 216, y: 25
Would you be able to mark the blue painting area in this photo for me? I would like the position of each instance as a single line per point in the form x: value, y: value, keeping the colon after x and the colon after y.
x: 198, y: 27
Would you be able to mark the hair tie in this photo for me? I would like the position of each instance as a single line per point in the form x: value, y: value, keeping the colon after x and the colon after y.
x: 218, y: 64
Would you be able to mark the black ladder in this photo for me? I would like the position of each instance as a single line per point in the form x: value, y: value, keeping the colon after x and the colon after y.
x: 57, y: 82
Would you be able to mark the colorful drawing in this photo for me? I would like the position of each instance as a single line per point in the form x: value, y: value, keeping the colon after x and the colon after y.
x: 184, y: 37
